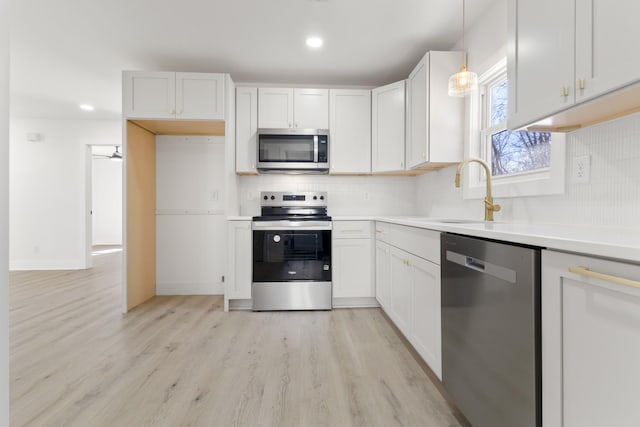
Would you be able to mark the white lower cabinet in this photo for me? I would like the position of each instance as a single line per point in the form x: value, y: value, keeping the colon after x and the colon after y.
x: 383, y: 274
x: 408, y: 287
x: 240, y: 247
x: 590, y: 341
x: 352, y: 255
x: 425, y: 329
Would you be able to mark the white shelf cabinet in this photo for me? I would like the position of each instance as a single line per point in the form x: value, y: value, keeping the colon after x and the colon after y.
x: 388, y: 128
x: 353, y: 257
x: 350, y: 131
x: 293, y: 108
x: 169, y: 95
x: 246, y: 129
x: 408, y: 286
x: 239, y: 267
x: 590, y: 343
x: 435, y: 120
x: 563, y: 52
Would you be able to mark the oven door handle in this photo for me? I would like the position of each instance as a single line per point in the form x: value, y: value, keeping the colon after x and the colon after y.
x: 291, y: 225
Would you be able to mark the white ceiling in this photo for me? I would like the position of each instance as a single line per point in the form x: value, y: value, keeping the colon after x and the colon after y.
x: 68, y: 52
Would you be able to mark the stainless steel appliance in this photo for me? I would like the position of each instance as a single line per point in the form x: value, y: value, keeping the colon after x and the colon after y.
x: 491, y: 331
x: 292, y: 252
x: 293, y: 151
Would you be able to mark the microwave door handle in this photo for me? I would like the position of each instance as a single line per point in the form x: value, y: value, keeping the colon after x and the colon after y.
x: 315, y: 149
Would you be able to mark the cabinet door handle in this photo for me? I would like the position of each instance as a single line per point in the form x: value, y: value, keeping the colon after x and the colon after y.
x: 290, y: 124
x: 172, y: 112
x: 580, y: 83
x: 584, y: 271
x: 564, y: 91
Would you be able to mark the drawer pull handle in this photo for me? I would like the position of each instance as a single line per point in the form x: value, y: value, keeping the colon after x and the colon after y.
x: 354, y: 230
x: 379, y: 231
x: 584, y: 271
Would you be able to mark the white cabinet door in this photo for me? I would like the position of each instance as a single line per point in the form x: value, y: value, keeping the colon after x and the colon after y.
x: 353, y: 268
x: 246, y: 129
x: 425, y: 330
x: 401, y: 292
x: 418, y: 114
x: 149, y: 95
x: 199, y: 96
x: 275, y: 107
x: 540, y: 66
x: 383, y: 274
x: 239, y: 239
x: 590, y: 343
x: 607, y: 34
x: 350, y: 128
x: 311, y: 108
x: 388, y: 122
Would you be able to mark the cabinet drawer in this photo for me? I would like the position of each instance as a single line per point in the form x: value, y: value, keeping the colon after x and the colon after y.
x: 352, y: 229
x: 382, y: 231
x: 417, y: 241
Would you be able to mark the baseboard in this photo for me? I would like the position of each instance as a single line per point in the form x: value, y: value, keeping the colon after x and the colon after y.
x: 362, y: 302
x: 189, y: 288
x: 240, y: 304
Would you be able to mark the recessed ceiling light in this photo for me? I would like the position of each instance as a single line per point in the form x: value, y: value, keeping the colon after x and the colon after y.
x: 314, y: 42
x: 87, y: 107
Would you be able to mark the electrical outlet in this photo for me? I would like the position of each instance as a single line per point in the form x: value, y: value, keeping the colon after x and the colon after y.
x: 581, y: 169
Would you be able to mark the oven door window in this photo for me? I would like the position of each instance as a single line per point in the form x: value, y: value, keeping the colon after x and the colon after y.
x: 282, y: 256
x: 286, y: 148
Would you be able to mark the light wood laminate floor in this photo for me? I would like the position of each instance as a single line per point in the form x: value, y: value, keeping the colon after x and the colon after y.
x: 178, y: 361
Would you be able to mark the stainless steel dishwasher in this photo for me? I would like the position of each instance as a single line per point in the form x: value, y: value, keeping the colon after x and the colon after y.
x: 491, y: 330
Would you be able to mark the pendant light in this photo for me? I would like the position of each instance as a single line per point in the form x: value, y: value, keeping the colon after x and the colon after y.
x: 464, y: 81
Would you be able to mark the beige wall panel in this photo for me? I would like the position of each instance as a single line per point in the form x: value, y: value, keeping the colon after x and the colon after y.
x: 141, y: 218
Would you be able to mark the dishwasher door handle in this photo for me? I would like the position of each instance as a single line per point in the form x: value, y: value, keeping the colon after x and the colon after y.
x: 483, y: 266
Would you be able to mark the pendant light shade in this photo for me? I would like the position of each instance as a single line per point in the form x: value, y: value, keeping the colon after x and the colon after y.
x: 464, y: 81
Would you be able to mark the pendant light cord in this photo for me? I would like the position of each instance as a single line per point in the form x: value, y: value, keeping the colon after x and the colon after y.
x: 464, y: 52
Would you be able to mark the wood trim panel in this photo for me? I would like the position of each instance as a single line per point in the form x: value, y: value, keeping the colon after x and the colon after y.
x: 182, y: 127
x: 141, y: 219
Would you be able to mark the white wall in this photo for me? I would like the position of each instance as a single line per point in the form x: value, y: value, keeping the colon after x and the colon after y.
x: 348, y: 195
x: 4, y: 213
x: 612, y: 198
x: 47, y: 190
x: 106, y: 201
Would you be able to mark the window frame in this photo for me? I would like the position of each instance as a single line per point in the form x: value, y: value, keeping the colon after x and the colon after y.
x: 537, y: 182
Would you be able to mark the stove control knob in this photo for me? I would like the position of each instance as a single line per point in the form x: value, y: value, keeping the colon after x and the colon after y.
x: 273, y: 197
x: 315, y: 197
x: 265, y: 197
x: 321, y: 197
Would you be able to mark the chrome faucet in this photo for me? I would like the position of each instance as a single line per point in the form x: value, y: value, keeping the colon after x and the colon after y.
x: 489, y: 206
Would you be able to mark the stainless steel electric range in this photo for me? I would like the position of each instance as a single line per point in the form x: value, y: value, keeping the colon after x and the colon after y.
x: 292, y: 252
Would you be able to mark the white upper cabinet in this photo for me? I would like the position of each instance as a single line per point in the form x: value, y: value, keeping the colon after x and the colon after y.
x: 607, y: 34
x: 246, y: 129
x: 540, y: 62
x: 435, y: 120
x: 350, y: 130
x: 275, y: 107
x: 149, y: 94
x: 199, y: 96
x: 293, y: 108
x: 563, y: 52
x: 311, y: 108
x: 388, y: 128
x: 169, y: 95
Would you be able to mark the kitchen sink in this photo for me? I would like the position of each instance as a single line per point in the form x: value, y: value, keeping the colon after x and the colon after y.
x: 452, y: 220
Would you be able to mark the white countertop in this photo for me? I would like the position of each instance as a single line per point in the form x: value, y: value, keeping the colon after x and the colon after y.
x: 621, y: 243
x: 610, y: 242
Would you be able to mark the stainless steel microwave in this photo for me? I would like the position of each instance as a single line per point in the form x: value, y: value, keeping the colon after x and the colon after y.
x: 293, y: 151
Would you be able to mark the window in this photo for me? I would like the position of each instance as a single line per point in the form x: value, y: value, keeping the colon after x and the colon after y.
x: 522, y: 163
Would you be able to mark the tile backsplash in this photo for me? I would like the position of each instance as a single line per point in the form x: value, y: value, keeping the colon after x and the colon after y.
x: 348, y: 195
x: 610, y: 198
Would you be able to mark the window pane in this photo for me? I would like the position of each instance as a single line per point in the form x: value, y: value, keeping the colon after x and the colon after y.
x: 513, y: 152
x: 499, y: 97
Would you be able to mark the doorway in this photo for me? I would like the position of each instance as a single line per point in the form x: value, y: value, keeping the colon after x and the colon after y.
x: 104, y: 200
